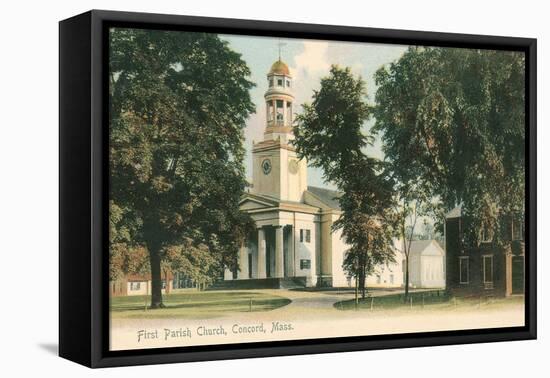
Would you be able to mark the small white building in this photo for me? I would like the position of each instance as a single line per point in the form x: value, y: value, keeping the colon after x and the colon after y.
x: 426, y: 264
x: 139, y: 284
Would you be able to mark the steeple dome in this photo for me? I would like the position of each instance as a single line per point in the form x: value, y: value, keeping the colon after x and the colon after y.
x: 279, y: 68
x: 279, y: 103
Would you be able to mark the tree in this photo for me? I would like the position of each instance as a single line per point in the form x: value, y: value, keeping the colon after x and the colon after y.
x: 453, y: 120
x: 125, y: 255
x: 329, y: 135
x: 410, y: 205
x: 195, y: 260
x: 367, y: 221
x: 178, y: 105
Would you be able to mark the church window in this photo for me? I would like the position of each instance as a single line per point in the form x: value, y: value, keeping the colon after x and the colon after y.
x: 280, y: 82
x: 288, y: 83
x: 305, y: 264
x: 280, y: 110
x: 270, y: 82
x: 305, y: 235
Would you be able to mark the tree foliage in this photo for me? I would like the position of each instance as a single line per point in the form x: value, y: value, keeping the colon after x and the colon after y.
x: 368, y: 221
x: 452, y: 123
x: 329, y: 134
x: 178, y: 105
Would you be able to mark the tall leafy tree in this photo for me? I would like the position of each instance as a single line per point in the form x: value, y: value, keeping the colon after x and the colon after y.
x: 410, y: 205
x: 368, y: 220
x: 178, y: 105
x: 453, y: 123
x: 329, y: 134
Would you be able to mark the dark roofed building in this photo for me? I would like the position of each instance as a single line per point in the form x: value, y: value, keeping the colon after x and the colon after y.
x: 486, y: 268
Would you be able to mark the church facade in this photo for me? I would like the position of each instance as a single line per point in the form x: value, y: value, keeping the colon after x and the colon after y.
x: 294, y: 240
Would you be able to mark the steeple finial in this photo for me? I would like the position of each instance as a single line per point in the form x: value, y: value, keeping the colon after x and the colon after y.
x: 280, y: 44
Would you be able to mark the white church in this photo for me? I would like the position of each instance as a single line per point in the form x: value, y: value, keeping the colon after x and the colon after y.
x: 294, y: 241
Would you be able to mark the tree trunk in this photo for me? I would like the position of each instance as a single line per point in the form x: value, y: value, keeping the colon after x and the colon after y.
x: 362, y: 280
x: 167, y: 290
x: 356, y: 292
x: 156, y: 277
x: 152, y: 237
x: 406, y: 277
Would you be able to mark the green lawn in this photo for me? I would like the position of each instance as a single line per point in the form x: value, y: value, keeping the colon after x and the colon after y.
x: 196, y: 304
x: 428, y: 299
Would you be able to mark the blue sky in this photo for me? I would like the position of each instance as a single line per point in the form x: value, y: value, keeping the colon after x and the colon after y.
x: 309, y: 61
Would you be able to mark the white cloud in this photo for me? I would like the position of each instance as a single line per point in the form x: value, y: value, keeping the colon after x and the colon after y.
x: 313, y: 61
x: 308, y: 68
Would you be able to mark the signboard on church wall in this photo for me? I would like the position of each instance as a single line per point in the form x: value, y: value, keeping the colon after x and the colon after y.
x: 268, y: 188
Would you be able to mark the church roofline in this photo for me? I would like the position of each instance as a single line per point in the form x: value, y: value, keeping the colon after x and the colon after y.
x: 323, y: 194
x: 272, y: 204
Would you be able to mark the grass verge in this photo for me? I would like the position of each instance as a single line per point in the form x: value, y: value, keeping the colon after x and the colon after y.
x: 195, y: 304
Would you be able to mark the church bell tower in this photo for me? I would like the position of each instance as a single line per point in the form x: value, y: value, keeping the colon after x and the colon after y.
x: 277, y: 171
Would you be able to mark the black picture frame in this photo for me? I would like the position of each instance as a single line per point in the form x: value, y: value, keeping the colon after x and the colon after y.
x: 83, y: 195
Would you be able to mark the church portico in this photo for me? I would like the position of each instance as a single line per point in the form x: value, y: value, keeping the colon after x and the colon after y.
x: 284, y: 246
x: 271, y: 255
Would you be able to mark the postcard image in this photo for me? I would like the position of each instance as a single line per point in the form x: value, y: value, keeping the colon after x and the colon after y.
x: 268, y: 189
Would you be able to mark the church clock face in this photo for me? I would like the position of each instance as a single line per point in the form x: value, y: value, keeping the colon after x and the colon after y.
x: 266, y: 166
x: 293, y: 167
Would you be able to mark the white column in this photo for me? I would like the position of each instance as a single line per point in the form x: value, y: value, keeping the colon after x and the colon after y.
x: 243, y: 263
x: 291, y: 253
x: 261, y: 253
x: 279, y: 254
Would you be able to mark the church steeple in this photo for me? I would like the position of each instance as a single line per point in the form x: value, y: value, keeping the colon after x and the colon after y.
x: 277, y: 171
x: 279, y: 103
